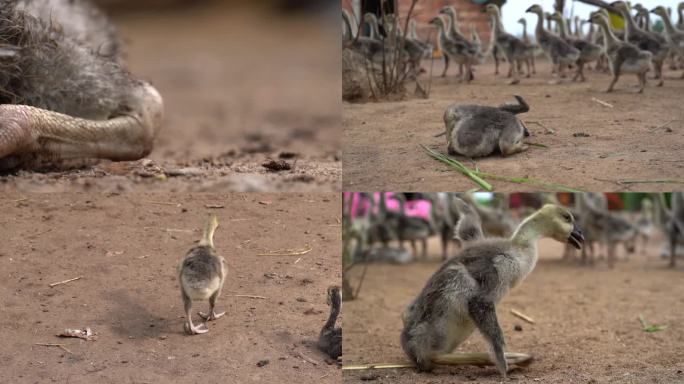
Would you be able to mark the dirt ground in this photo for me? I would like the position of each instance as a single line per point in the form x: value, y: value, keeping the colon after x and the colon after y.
x: 240, y: 86
x: 641, y: 137
x: 126, y: 248
x: 586, y: 331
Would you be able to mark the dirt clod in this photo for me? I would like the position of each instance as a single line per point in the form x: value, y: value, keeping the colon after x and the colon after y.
x: 277, y: 165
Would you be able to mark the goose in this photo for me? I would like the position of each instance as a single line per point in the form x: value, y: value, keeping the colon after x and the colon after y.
x: 675, y: 38
x: 643, y: 40
x: 622, y: 56
x: 66, y: 93
x: 201, y: 275
x: 560, y: 52
x: 514, y: 49
x: 526, y: 40
x: 454, y: 33
x: 330, y: 337
x: 588, y: 51
x: 457, y: 50
x: 477, y: 131
x: 462, y: 295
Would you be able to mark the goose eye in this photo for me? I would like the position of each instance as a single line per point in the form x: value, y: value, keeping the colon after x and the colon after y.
x: 567, y: 217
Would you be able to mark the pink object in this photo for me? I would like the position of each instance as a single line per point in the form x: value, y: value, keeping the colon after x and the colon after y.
x: 414, y: 208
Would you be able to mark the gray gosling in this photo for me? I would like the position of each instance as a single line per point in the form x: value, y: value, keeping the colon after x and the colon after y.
x: 513, y: 48
x: 459, y: 51
x: 201, y: 275
x: 558, y: 50
x: 469, y: 226
x: 622, y: 57
x: 588, y: 51
x: 675, y: 38
x: 643, y: 40
x: 526, y: 40
x: 477, y: 131
x: 462, y: 295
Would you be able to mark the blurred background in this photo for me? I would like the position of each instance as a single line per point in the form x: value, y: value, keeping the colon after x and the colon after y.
x: 243, y: 82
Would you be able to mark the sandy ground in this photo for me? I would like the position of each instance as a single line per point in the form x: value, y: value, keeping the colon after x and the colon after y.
x: 587, y: 328
x: 126, y: 248
x: 627, y: 141
x: 240, y: 86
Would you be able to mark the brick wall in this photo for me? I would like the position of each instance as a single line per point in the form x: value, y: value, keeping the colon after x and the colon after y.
x: 468, y: 13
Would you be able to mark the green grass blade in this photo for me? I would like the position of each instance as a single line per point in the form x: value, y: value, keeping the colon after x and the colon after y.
x: 459, y: 167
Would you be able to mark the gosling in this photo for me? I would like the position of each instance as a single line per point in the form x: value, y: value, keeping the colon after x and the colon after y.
x: 201, y: 275
x: 477, y: 131
x: 462, y: 295
x: 330, y: 338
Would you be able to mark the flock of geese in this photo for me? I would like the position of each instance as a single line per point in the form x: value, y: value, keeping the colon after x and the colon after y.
x: 636, y: 49
x: 457, y: 218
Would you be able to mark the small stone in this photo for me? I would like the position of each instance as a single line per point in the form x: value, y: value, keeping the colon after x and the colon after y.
x: 518, y: 328
x: 262, y: 363
x: 301, y: 300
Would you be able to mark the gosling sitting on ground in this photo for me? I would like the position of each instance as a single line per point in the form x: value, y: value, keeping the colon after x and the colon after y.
x: 201, y: 275
x: 463, y: 293
x: 477, y: 131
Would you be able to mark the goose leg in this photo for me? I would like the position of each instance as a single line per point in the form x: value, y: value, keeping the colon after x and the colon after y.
x: 642, y: 81
x: 212, y: 315
x: 659, y: 73
x: 616, y: 76
x: 527, y: 64
x: 446, y: 64
x: 424, y: 245
x: 27, y: 130
x: 413, y: 248
x: 188, y: 326
x: 483, y: 314
x: 673, y: 247
x: 534, y: 69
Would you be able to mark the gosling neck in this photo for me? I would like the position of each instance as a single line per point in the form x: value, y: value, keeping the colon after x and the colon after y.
x: 334, y: 313
x: 608, y: 37
x: 669, y: 28
x: 524, y: 240
x: 539, y: 29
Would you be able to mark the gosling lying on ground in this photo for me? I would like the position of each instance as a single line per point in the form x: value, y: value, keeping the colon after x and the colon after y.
x: 463, y: 293
x: 201, y: 276
x: 477, y: 131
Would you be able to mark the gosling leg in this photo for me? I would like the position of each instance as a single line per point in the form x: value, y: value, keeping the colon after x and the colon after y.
x: 673, y: 248
x: 188, y: 326
x: 212, y: 315
x: 446, y: 64
x: 483, y: 314
x: 616, y: 76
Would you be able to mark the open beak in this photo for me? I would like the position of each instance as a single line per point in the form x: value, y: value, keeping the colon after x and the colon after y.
x: 576, y: 239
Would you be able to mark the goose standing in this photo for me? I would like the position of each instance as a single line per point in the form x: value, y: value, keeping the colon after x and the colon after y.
x: 458, y: 51
x: 560, y: 52
x: 588, y: 51
x: 622, y: 56
x: 675, y: 38
x: 526, y: 40
x: 513, y: 48
x: 643, y: 40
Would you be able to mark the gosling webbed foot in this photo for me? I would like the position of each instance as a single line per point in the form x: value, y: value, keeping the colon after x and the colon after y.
x: 195, y: 329
x: 210, y: 316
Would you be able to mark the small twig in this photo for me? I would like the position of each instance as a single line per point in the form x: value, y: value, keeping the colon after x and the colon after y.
x: 307, y: 358
x: 54, y: 345
x: 252, y: 296
x: 289, y: 252
x: 522, y: 316
x: 662, y: 126
x: 163, y: 203
x: 65, y: 281
x: 214, y: 206
x: 298, y: 260
x: 602, y: 102
x: 20, y: 200
x: 547, y: 129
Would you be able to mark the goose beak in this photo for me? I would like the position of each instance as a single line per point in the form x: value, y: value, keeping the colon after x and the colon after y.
x: 529, y: 9
x: 653, y: 10
x: 576, y: 239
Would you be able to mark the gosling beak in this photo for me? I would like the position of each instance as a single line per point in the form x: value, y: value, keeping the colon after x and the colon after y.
x: 576, y: 239
x: 529, y: 9
x: 653, y: 10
